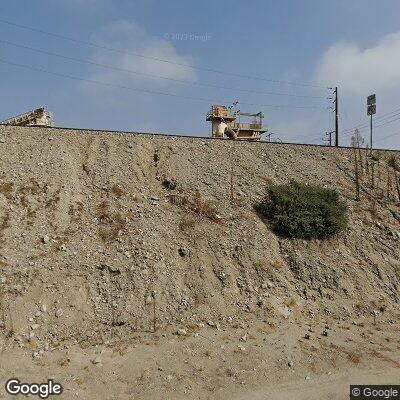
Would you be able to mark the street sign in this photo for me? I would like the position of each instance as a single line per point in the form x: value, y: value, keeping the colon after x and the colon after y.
x: 371, y: 100
x: 371, y: 109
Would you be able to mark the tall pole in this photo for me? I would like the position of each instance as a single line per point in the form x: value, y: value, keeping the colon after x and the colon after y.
x: 371, y: 131
x: 336, y: 117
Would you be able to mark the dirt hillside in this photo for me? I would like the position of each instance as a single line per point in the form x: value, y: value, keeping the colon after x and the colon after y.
x: 98, y: 230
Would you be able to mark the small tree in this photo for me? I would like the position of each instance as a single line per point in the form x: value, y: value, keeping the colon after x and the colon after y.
x: 304, y: 211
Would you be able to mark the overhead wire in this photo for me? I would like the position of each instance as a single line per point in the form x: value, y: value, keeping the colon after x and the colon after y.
x: 211, y: 85
x: 146, y: 90
x: 158, y: 59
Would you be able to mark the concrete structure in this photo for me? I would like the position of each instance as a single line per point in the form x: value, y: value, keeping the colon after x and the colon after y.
x: 225, y: 122
x: 38, y: 117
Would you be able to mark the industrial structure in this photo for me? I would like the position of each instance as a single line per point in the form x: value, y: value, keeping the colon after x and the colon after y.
x: 38, y: 117
x: 225, y: 122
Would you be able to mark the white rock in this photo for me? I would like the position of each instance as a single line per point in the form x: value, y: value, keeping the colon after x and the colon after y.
x: 46, y: 239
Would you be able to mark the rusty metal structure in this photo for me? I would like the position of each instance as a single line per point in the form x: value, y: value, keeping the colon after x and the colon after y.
x: 38, y: 117
x: 236, y: 128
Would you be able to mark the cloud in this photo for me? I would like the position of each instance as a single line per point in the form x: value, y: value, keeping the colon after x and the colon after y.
x: 130, y: 38
x: 362, y: 70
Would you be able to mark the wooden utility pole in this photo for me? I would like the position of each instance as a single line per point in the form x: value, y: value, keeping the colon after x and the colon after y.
x: 336, y: 117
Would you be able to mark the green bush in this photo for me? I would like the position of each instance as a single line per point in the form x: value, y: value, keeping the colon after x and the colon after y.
x: 302, y: 211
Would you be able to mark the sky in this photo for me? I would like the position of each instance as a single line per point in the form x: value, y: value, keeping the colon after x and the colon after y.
x: 153, y: 66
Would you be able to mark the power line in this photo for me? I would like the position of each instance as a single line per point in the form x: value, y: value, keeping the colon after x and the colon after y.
x: 79, y: 60
x: 384, y: 123
x: 144, y: 90
x: 207, y: 69
x: 362, y: 126
x: 388, y: 136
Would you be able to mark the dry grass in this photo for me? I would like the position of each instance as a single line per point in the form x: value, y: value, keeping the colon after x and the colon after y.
x: 4, y: 224
x: 196, y: 204
x: 187, y: 224
x: 103, y: 210
x: 117, y: 190
x: 32, y: 188
x: 205, y: 208
x: 6, y: 188
x: 278, y: 265
x: 111, y: 224
x: 53, y: 200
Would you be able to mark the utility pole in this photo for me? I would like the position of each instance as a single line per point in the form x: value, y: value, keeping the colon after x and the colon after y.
x: 336, y: 117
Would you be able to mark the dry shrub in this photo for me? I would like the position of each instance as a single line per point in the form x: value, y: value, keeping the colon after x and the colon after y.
x: 392, y: 162
x: 279, y: 265
x: 373, y: 209
x: 32, y: 188
x: 111, y: 224
x: 4, y: 224
x: 117, y: 190
x: 6, y: 189
x: 53, y: 200
x: 187, y: 224
x: 103, y: 210
x: 380, y: 305
x: 203, y: 208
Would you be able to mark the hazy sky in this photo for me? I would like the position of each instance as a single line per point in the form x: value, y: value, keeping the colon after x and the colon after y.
x: 354, y: 44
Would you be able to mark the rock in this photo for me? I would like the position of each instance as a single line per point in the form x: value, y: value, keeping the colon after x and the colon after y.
x: 113, y: 269
x: 149, y: 298
x: 96, y: 361
x: 3, y: 279
x: 307, y: 378
x: 46, y: 239
x: 210, y: 323
x: 241, y: 348
x: 325, y: 333
x: 379, y: 225
x: 44, y: 308
x: 290, y: 364
x: 34, y: 326
x: 63, y: 247
x: 127, y: 254
x: 182, y: 252
x: 307, y: 336
x: 59, y: 313
x: 181, y: 332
